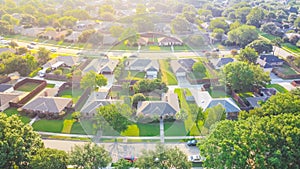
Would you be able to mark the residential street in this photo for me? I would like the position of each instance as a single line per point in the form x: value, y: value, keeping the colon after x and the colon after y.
x: 120, y: 150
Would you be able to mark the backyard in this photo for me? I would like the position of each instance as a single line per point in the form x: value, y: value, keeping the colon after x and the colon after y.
x: 217, y: 92
x: 28, y: 87
x: 74, y: 94
x: 287, y: 70
x: 167, y: 75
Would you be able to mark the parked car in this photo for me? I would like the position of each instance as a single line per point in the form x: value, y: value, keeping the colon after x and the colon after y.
x: 53, y: 50
x: 30, y: 47
x: 196, y: 159
x: 131, y: 159
x: 192, y: 143
x: 216, y: 50
x: 32, y: 43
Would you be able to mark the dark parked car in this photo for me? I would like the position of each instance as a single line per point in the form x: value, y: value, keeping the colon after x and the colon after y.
x: 192, y: 143
x: 130, y: 159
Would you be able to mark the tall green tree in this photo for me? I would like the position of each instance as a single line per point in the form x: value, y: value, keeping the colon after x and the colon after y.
x: 111, y: 116
x: 43, y: 55
x: 268, y: 142
x: 129, y: 36
x: 50, y: 159
x: 92, y: 80
x: 116, y: 31
x: 180, y: 24
x: 243, y: 35
x: 123, y: 164
x: 261, y: 46
x: 241, y: 76
x: 19, y: 143
x: 248, y: 54
x: 89, y: 156
x: 255, y: 17
x: 163, y: 157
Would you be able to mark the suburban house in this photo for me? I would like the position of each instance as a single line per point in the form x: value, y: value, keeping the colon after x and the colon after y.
x: 48, y: 106
x: 169, y: 41
x: 204, y: 100
x: 3, y: 50
x: 103, y: 66
x: 263, y: 96
x: 269, y: 61
x: 182, y: 67
x: 53, y: 35
x: 150, y: 66
x: 60, y: 61
x: 168, y: 106
x: 73, y: 37
x: 84, y: 24
x: 219, y: 63
x: 96, y: 100
x: 6, y: 88
x: 6, y: 98
x: 32, y: 32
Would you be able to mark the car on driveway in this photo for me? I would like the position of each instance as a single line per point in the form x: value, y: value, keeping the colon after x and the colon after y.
x: 192, y: 143
x: 196, y: 159
x: 53, y: 50
x: 130, y: 159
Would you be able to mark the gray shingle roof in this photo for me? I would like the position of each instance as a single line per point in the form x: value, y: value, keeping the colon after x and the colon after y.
x: 4, y: 87
x: 160, y: 108
x: 48, y: 104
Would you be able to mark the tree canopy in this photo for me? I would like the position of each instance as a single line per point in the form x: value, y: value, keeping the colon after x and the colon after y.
x: 243, y: 35
x: 248, y: 54
x: 261, y: 46
x: 50, y: 159
x: 268, y: 142
x: 241, y: 76
x: 163, y: 157
x: 92, y: 80
x: 90, y: 156
x: 19, y: 143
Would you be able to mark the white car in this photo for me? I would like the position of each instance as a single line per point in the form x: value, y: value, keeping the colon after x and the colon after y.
x: 53, y: 50
x: 196, y: 159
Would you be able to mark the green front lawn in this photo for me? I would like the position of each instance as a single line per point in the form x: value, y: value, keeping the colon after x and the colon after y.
x: 151, y: 129
x: 167, y: 75
x: 175, y: 129
x: 278, y: 87
x: 73, y: 94
x: 13, y: 111
x: 50, y: 85
x: 28, y: 87
x: 54, y: 126
x: 266, y: 36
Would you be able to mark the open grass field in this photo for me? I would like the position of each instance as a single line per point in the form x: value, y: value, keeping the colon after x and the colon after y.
x: 13, y: 111
x: 28, y: 87
x: 149, y: 129
x: 167, y: 75
x: 278, y: 87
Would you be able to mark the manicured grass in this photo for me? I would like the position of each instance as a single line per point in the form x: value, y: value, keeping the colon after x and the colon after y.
x: 291, y: 48
x: 151, y: 129
x: 67, y: 126
x: 266, y: 36
x: 54, y: 126
x: 182, y: 48
x: 28, y: 87
x: 174, y: 129
x: 132, y: 130
x: 73, y: 94
x: 13, y: 111
x: 217, y: 93
x: 77, y: 128
x: 50, y: 85
x: 167, y: 75
x: 287, y: 70
x: 135, y: 75
x: 189, y: 122
x: 278, y: 87
x: 122, y: 46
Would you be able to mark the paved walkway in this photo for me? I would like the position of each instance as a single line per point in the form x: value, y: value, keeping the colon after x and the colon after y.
x: 33, y: 120
x: 162, y: 132
x: 121, y: 137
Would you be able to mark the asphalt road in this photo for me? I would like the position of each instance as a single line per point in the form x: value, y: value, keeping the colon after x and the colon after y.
x: 120, y: 150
